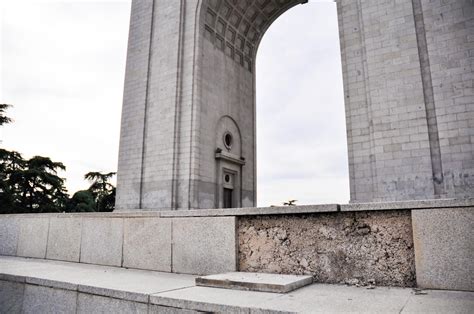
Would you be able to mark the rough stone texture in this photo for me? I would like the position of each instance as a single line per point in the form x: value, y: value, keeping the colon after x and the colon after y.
x: 444, y: 248
x: 102, y: 241
x: 39, y: 299
x: 147, y: 244
x: 204, y: 246
x: 33, y: 237
x: 11, y: 296
x: 353, y: 248
x: 87, y: 304
x: 408, y: 87
x: 64, y: 239
x: 9, y: 231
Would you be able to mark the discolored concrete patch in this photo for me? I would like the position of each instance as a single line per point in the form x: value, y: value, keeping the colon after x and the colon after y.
x: 353, y: 247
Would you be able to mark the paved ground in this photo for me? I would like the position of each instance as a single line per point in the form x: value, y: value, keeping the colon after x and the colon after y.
x: 179, y: 291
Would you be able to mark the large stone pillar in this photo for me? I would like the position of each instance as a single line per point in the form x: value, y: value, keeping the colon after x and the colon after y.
x: 188, y: 123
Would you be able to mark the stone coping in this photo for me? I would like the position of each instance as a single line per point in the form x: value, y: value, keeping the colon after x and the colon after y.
x: 276, y: 210
x: 253, y: 211
x: 415, y: 204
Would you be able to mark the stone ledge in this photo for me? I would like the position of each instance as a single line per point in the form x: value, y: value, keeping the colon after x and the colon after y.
x: 258, y: 211
x: 142, y: 213
x: 401, y: 205
x: 253, y: 211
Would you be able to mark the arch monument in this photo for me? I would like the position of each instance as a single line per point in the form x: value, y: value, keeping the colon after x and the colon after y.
x: 188, y: 123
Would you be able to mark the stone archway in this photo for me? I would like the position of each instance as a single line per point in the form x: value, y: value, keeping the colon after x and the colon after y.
x: 191, y: 63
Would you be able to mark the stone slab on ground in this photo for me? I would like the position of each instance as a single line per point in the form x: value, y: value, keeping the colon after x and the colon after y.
x: 255, y: 281
x: 137, y: 291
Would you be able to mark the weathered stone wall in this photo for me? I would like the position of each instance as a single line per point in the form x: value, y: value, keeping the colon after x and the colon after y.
x: 356, y: 247
x: 408, y: 85
x: 449, y: 63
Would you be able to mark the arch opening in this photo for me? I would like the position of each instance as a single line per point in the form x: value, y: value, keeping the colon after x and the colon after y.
x: 234, y: 32
x: 301, y: 129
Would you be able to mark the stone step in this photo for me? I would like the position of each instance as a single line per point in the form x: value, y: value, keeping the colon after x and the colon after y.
x: 255, y: 282
x: 43, y: 286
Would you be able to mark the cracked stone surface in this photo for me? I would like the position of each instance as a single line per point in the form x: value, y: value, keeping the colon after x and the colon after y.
x: 358, y: 248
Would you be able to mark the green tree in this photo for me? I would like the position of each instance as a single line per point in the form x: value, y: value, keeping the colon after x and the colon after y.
x: 38, y: 188
x: 82, y: 201
x: 102, y: 190
x: 29, y: 185
x: 3, y: 118
x: 10, y: 163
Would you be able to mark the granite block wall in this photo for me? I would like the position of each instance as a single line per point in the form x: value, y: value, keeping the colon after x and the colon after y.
x: 408, y: 82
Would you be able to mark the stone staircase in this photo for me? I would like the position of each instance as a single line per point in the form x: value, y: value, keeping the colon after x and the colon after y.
x: 43, y: 286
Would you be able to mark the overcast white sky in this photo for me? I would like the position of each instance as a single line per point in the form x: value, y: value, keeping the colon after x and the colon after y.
x: 62, y: 66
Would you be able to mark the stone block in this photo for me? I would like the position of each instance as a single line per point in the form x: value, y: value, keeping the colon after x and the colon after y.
x: 33, y: 237
x: 276, y: 283
x: 11, y: 296
x: 444, y: 248
x: 9, y: 231
x: 157, y: 309
x: 102, y: 240
x: 64, y: 240
x: 115, y: 291
x: 204, y: 245
x: 147, y: 244
x: 88, y: 303
x: 39, y: 299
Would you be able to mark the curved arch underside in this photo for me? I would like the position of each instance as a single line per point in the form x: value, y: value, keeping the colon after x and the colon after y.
x: 236, y: 26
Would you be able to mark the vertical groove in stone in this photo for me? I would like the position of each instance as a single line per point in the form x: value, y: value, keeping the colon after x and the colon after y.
x: 192, y: 152
x: 428, y: 94
x: 178, y: 103
x: 145, y: 120
x: 365, y: 68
